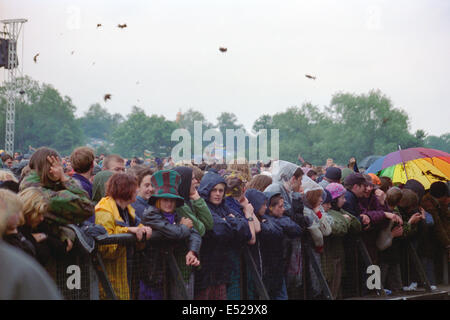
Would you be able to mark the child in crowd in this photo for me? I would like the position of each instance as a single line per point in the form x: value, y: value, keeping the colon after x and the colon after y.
x: 275, y: 228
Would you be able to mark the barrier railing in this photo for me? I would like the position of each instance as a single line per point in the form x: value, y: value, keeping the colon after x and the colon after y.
x: 142, y: 279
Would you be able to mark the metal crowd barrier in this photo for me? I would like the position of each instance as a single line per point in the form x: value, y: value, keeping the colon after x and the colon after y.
x: 94, y: 278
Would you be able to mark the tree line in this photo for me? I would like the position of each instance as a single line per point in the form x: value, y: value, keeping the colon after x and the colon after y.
x: 352, y: 125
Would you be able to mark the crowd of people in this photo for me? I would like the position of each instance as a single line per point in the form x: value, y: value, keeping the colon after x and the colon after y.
x: 212, y: 211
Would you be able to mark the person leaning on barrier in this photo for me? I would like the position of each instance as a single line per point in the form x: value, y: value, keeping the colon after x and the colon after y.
x: 319, y: 228
x: 342, y: 223
x: 390, y: 238
x: 372, y: 204
x: 12, y: 234
x: 21, y: 277
x: 423, y: 237
x: 68, y: 202
x: 436, y: 201
x: 275, y: 228
x: 258, y: 200
x: 196, y: 210
x: 235, y: 200
x: 145, y: 190
x: 167, y: 224
x: 287, y: 179
x: 115, y: 213
x: 194, y: 207
x: 36, y: 230
x: 228, y: 228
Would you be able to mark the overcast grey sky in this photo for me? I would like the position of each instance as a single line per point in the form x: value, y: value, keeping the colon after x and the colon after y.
x: 170, y: 48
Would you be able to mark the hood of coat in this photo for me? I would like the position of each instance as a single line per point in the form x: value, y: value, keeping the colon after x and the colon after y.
x: 98, y: 185
x: 270, y: 195
x: 256, y: 199
x: 209, y: 181
x: 283, y: 171
x: 184, y: 188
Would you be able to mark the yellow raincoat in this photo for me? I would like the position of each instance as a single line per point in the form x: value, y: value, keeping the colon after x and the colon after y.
x: 114, y: 256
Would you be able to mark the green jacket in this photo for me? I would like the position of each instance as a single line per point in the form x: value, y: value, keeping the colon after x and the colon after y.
x: 69, y: 203
x: 200, y: 215
x: 339, y: 227
x: 334, y: 244
x: 353, y: 225
x: 202, y: 220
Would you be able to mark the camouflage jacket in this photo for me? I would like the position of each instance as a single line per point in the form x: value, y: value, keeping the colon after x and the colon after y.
x: 69, y: 202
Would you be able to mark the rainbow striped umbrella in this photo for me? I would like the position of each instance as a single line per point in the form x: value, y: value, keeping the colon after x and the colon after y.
x: 422, y: 164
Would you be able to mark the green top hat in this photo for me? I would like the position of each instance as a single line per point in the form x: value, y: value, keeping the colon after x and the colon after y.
x: 165, y: 183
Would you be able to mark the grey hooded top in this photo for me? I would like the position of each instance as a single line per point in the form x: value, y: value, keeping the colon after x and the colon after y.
x: 282, y: 171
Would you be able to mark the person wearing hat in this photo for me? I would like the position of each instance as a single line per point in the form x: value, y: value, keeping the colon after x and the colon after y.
x: 375, y: 179
x: 355, y: 183
x: 162, y: 217
x: 229, y: 229
x: 436, y: 201
x: 334, y: 256
x: 333, y: 174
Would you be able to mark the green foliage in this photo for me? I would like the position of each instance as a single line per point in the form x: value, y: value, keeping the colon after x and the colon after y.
x: 371, y: 125
x: 187, y: 120
x: 139, y: 132
x: 98, y: 123
x: 43, y: 118
x: 227, y: 120
x: 441, y: 143
x: 353, y: 125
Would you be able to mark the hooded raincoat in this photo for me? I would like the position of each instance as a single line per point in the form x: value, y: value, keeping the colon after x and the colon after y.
x: 273, y: 242
x: 227, y: 231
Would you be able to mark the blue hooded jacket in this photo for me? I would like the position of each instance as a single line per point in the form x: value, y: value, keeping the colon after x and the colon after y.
x: 290, y: 228
x: 140, y: 205
x: 256, y: 199
x: 216, y: 245
x: 274, y: 233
